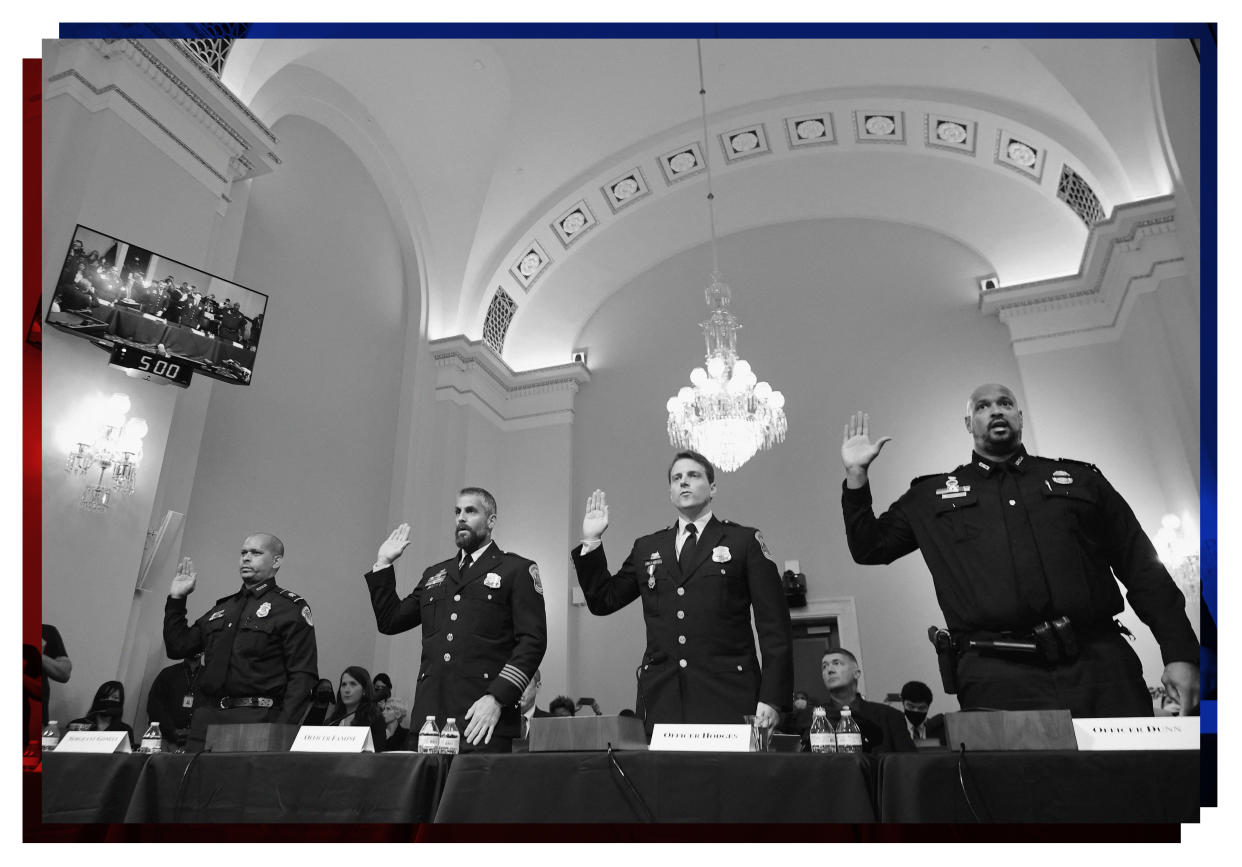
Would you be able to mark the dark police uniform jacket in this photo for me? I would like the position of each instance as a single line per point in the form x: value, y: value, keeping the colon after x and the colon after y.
x: 484, y: 632
x: 273, y: 652
x: 988, y: 530
x: 700, y: 664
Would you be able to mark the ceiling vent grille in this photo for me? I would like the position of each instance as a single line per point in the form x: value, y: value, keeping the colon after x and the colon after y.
x: 496, y: 325
x: 1077, y: 193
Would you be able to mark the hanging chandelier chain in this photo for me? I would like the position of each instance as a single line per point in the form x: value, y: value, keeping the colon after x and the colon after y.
x: 707, y: 163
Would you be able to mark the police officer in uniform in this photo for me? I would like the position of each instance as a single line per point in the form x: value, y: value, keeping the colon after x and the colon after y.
x: 699, y: 581
x: 1022, y: 551
x: 484, y: 628
x: 260, y: 663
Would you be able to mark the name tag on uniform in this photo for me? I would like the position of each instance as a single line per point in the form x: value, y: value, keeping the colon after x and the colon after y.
x: 187, y: 701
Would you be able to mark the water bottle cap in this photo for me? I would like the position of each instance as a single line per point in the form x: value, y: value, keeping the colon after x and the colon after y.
x: 431, y: 716
x: 52, y: 722
x: 451, y: 719
x: 819, y: 711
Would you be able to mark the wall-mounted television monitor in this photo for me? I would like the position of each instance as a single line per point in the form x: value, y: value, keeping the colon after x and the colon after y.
x: 155, y: 314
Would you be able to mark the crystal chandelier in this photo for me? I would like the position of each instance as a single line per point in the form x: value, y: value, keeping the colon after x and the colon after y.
x: 107, y: 440
x: 725, y: 413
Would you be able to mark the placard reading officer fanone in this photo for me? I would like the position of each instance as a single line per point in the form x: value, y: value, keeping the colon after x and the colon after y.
x: 333, y: 739
x: 701, y: 738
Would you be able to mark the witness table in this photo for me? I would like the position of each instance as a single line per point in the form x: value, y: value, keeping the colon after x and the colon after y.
x: 243, y: 787
x: 1050, y: 786
x: 667, y: 787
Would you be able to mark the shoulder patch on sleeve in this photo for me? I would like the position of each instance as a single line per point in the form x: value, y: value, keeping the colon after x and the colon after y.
x: 534, y: 576
x: 306, y: 615
x: 763, y: 546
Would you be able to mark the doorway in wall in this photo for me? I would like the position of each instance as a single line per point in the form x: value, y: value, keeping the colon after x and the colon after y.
x: 811, y: 639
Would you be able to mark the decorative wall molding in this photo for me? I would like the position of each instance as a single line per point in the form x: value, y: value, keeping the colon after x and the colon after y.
x: 184, y: 109
x: 470, y: 373
x: 1133, y: 252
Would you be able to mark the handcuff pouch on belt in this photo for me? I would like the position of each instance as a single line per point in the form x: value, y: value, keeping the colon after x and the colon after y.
x: 1051, y: 641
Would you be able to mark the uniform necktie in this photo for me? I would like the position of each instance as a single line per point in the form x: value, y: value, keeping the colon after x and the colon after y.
x: 686, y: 558
x: 216, y: 668
x: 465, y: 562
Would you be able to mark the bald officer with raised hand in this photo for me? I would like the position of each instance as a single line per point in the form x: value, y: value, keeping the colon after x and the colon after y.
x: 1017, y: 544
x: 699, y: 580
x: 259, y: 644
x: 483, y: 622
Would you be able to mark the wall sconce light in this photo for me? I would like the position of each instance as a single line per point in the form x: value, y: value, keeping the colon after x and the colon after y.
x: 100, y: 435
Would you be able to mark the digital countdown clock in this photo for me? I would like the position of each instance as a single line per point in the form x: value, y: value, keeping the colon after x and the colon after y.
x: 150, y: 366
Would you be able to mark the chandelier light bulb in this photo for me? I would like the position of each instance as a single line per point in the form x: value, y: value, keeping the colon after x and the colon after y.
x: 763, y: 391
x: 715, y: 367
x: 673, y: 405
x: 686, y: 395
x: 698, y: 376
x: 777, y: 400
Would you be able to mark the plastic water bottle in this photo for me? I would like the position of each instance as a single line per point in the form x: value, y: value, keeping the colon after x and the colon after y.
x: 152, y: 740
x: 429, y: 737
x: 51, y: 735
x: 823, y: 740
x: 849, y: 735
x: 450, y: 738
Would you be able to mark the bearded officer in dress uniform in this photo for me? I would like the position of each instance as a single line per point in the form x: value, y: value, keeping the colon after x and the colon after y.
x: 1023, y: 549
x: 699, y: 580
x: 484, y: 628
x: 260, y: 663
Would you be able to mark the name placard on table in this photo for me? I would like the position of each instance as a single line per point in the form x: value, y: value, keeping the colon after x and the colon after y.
x: 701, y: 738
x: 1138, y: 733
x: 333, y: 739
x: 94, y: 742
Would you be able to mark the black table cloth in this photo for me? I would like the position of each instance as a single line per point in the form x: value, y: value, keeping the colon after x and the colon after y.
x: 89, y: 787
x: 670, y: 786
x: 288, y: 787
x: 1052, y: 786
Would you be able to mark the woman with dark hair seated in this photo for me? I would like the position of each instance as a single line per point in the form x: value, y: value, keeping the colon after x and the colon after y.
x: 356, y: 706
x: 105, y: 713
x: 323, y: 700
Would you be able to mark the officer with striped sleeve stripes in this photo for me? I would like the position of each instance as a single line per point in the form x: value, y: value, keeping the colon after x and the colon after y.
x: 483, y: 622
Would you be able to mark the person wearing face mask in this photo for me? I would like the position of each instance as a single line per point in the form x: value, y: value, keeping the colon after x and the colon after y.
x: 106, y: 711
x: 382, y: 687
x: 1025, y: 553
x: 916, y: 699
x: 798, y: 720
x: 323, y: 700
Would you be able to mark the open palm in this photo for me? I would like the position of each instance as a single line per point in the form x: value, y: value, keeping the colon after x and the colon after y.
x: 595, y: 522
x: 857, y: 449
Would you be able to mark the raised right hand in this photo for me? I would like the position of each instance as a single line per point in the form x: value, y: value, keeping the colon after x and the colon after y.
x: 183, y: 582
x: 391, y: 549
x: 857, y: 449
x: 595, y: 522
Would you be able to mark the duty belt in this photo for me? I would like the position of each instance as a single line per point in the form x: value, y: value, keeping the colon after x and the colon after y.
x: 228, y: 702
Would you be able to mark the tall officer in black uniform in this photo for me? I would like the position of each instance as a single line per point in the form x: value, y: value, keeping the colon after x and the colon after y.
x: 260, y: 663
x: 699, y: 580
x: 1014, y: 542
x: 484, y: 628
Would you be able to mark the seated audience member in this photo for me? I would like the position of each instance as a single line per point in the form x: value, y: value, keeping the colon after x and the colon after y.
x: 105, y: 713
x: 798, y: 720
x: 585, y: 704
x: 356, y: 706
x: 396, y: 736
x: 170, y: 702
x: 562, y: 705
x: 381, y: 687
x: 322, y: 701
x: 627, y: 712
x: 916, y: 699
x: 883, y: 728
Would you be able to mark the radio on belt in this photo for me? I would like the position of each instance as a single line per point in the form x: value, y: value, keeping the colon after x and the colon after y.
x: 152, y: 366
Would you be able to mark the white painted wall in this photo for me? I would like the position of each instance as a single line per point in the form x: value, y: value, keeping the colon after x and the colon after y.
x: 306, y: 451
x: 889, y: 325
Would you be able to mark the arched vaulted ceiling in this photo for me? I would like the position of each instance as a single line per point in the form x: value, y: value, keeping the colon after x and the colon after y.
x: 500, y: 140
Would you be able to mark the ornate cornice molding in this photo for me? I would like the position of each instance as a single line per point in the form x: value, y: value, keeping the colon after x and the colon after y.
x: 470, y: 373
x: 182, y: 98
x: 1135, y: 250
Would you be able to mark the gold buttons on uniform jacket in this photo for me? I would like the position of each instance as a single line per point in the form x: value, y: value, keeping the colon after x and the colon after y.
x: 739, y: 668
x: 682, y: 663
x: 453, y: 616
x: 457, y: 598
x: 681, y: 615
x: 1013, y: 502
x: 681, y: 591
x: 449, y: 637
x: 681, y: 639
x: 447, y: 657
